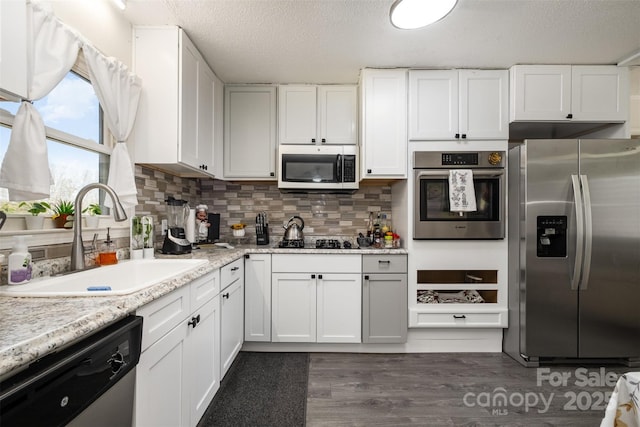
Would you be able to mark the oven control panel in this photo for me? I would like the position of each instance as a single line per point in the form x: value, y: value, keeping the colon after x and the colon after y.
x: 459, y: 159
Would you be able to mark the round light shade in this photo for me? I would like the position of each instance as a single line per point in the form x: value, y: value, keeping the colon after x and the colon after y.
x: 411, y: 14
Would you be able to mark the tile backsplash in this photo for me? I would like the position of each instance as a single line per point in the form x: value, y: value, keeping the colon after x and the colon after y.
x: 323, y: 214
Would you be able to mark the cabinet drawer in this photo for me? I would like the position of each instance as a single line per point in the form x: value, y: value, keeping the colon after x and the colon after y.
x: 231, y: 272
x: 384, y: 264
x: 462, y: 320
x: 316, y: 263
x: 162, y: 315
x: 204, y: 288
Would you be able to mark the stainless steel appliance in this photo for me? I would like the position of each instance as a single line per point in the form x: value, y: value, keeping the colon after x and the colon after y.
x: 175, y: 242
x: 574, y: 247
x: 90, y: 383
x: 327, y: 168
x: 433, y: 218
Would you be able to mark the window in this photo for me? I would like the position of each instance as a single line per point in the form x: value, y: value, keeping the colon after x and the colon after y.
x: 75, y: 140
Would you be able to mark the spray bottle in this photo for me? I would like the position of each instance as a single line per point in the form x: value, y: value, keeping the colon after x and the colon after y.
x: 19, y: 266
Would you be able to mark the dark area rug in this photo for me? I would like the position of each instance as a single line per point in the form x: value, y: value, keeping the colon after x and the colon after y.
x: 261, y: 389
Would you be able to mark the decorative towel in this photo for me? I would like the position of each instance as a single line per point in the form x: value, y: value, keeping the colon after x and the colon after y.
x: 462, y: 195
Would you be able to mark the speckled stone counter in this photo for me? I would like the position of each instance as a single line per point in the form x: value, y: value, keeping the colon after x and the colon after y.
x: 31, y: 328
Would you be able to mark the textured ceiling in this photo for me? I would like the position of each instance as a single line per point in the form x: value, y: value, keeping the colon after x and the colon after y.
x: 329, y: 41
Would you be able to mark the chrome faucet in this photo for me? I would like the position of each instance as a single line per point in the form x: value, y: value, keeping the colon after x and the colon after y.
x: 77, y: 247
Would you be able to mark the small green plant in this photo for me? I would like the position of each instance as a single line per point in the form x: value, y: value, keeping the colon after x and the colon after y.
x: 63, y: 207
x: 93, y: 209
x: 136, y: 232
x: 36, y: 208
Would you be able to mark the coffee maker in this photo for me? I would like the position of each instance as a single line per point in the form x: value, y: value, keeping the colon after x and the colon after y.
x: 175, y: 242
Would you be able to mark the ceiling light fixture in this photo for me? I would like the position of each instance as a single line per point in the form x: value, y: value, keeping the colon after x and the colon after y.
x: 412, y: 14
x: 122, y: 4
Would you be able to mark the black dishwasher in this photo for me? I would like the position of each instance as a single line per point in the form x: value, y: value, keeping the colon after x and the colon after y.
x: 82, y: 384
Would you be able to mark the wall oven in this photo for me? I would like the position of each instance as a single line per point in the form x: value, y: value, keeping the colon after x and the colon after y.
x: 433, y: 218
x: 324, y: 168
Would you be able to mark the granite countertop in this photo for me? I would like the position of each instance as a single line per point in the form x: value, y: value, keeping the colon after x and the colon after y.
x: 32, y: 327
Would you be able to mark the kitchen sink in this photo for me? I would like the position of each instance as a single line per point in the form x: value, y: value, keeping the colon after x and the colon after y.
x: 119, y: 279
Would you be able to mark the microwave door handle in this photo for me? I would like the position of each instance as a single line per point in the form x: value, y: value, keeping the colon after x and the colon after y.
x: 339, y: 168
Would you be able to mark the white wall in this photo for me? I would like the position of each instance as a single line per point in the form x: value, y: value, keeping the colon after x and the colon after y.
x: 100, y: 22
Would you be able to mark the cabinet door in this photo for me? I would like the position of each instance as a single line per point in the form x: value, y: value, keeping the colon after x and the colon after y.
x: 293, y: 307
x: 206, y: 122
x: 599, y: 93
x: 384, y: 308
x: 297, y: 115
x: 188, y: 144
x: 384, y: 123
x: 13, y: 45
x: 339, y: 299
x: 337, y: 116
x: 257, y: 297
x: 250, y: 132
x: 161, y: 380
x: 540, y: 92
x: 433, y: 104
x: 204, y: 358
x: 232, y: 335
x: 484, y: 103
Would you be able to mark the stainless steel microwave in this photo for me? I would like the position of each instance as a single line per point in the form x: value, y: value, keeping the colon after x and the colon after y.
x: 303, y: 168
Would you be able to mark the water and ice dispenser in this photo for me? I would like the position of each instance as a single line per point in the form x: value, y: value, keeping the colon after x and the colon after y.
x: 551, y: 236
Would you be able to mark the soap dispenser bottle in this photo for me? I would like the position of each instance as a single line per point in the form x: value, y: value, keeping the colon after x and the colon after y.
x: 107, y: 254
x: 20, y: 265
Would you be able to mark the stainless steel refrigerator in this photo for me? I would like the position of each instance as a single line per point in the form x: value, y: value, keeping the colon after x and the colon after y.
x: 574, y: 251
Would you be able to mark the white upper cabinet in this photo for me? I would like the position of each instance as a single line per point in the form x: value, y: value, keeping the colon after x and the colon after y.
x: 13, y: 49
x: 383, y: 120
x: 325, y: 114
x: 175, y: 123
x: 250, y: 132
x: 551, y: 93
x: 458, y: 104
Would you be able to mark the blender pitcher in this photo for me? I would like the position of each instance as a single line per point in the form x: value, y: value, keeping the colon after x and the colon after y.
x: 176, y: 241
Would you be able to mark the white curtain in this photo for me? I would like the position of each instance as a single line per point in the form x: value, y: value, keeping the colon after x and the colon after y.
x: 119, y: 92
x: 25, y: 168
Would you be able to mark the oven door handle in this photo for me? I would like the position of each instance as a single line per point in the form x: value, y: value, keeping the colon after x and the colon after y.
x: 479, y: 172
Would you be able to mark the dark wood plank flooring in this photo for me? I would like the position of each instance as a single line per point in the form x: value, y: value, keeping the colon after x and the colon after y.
x: 452, y: 389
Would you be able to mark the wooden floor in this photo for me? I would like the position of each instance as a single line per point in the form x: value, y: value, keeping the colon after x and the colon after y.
x: 477, y: 389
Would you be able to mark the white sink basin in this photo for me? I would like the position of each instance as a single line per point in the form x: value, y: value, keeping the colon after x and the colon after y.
x: 119, y: 279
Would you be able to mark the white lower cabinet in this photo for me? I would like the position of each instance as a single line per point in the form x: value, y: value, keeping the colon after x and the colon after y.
x: 316, y: 307
x: 179, y: 369
x: 232, y: 312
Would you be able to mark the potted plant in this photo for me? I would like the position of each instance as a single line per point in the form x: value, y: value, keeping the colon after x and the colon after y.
x: 93, y: 210
x: 35, y: 221
x: 147, y: 225
x: 62, y: 211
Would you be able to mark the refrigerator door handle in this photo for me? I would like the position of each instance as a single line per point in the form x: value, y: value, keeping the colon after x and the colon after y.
x: 578, y: 204
x: 588, y: 233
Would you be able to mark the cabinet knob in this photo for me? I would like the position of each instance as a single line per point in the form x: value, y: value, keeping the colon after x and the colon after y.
x: 366, y: 277
x: 225, y: 295
x: 464, y: 136
x: 569, y: 116
x: 459, y: 316
x: 235, y: 268
x: 319, y: 276
x: 247, y: 256
x: 369, y: 171
x: 457, y: 135
x: 324, y: 141
x: 194, y: 321
x: 272, y: 174
x: 313, y: 276
x: 313, y: 140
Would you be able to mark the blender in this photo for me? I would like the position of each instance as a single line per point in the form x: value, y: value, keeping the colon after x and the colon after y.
x: 176, y: 241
